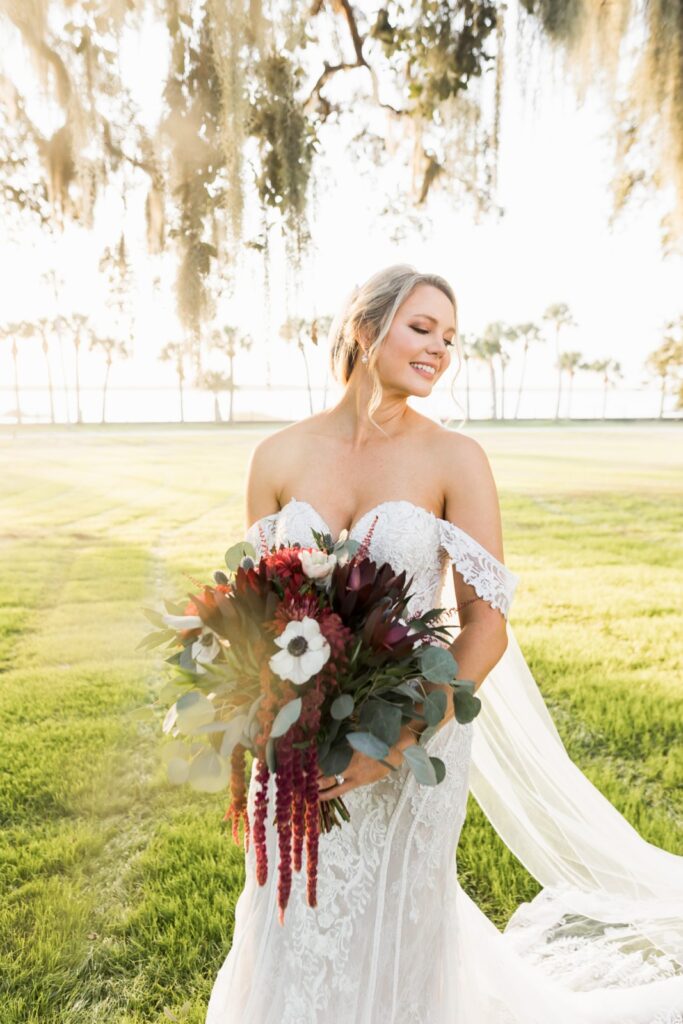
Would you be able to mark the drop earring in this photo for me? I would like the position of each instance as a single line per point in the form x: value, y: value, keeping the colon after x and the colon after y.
x: 364, y: 358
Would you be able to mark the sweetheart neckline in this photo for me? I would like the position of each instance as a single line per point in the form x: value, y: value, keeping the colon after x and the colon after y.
x: 382, y: 504
x: 396, y: 501
x: 365, y: 515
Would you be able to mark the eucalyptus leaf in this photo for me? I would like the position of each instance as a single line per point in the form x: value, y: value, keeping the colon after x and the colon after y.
x: 368, y: 744
x: 439, y: 768
x: 193, y: 709
x: 177, y: 770
x: 286, y: 717
x: 209, y: 772
x: 467, y: 707
x: 176, y: 748
x: 170, y: 691
x: 342, y: 706
x: 235, y: 554
x: 211, y: 727
x: 382, y: 720
x: 437, y: 664
x: 232, y: 735
x: 420, y: 764
x: 170, y: 719
x: 336, y: 760
x: 434, y: 707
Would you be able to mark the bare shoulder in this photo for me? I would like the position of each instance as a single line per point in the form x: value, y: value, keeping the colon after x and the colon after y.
x: 470, y: 492
x: 267, y: 470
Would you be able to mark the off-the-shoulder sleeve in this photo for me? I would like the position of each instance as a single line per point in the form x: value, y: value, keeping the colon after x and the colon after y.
x: 492, y: 580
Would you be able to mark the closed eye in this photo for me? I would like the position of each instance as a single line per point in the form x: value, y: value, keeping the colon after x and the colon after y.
x: 421, y: 330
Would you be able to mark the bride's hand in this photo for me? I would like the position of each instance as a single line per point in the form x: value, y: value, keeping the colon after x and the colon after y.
x: 360, y: 771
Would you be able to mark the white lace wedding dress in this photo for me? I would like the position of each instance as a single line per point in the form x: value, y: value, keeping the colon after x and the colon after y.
x: 394, y: 938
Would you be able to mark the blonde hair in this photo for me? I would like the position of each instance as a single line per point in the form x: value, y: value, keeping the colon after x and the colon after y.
x: 370, y: 310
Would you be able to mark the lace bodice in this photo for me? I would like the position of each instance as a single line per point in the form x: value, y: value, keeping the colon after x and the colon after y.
x: 408, y: 537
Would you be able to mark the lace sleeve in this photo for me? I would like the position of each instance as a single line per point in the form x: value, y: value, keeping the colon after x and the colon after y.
x: 492, y: 580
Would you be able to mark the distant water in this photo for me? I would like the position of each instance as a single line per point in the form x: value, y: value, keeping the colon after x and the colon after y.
x: 162, y: 405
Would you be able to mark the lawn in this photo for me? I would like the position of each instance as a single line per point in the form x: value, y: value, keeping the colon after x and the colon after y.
x: 117, y: 890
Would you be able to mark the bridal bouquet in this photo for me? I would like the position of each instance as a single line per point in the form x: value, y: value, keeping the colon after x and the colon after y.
x: 298, y: 659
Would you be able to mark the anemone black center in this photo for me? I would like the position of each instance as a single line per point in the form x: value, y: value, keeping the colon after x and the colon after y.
x: 298, y: 645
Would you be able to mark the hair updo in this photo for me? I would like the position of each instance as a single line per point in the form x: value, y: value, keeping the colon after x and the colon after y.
x: 369, y: 311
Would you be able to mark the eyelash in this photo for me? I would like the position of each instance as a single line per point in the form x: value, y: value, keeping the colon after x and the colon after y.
x: 421, y: 330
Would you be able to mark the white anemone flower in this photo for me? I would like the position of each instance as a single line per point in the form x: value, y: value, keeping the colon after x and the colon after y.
x: 304, y: 651
x: 205, y: 648
x: 316, y: 564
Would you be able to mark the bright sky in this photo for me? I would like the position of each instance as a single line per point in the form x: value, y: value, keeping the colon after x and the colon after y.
x: 552, y: 245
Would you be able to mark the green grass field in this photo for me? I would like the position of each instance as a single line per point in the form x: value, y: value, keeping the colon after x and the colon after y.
x: 118, y: 891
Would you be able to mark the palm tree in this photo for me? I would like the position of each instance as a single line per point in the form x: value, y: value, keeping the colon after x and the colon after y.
x: 297, y: 329
x: 13, y: 330
x: 560, y: 316
x: 58, y: 323
x: 229, y: 341
x: 529, y: 333
x: 610, y: 372
x: 571, y: 362
x: 467, y: 354
x: 78, y: 325
x: 43, y: 328
x: 667, y: 360
x: 175, y: 351
x: 484, y: 350
x: 321, y: 329
x: 215, y: 382
x: 504, y: 358
x: 110, y: 347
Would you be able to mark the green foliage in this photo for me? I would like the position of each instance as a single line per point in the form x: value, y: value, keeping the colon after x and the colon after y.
x: 285, y: 135
x: 441, y: 42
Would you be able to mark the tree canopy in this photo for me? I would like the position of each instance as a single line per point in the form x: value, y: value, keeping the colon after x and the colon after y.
x: 250, y: 98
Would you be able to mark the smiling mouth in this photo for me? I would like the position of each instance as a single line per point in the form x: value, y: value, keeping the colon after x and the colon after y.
x: 427, y: 372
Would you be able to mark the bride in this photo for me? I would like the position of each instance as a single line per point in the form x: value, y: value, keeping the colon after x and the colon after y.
x: 394, y: 939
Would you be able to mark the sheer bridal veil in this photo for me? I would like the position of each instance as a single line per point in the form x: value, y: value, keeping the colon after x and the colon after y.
x: 608, y: 894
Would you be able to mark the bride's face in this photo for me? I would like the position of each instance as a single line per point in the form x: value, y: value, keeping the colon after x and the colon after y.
x: 422, y: 331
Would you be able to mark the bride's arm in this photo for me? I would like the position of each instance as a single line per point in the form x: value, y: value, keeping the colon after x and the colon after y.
x: 471, y: 504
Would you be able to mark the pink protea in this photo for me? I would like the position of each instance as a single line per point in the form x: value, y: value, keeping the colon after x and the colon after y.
x: 298, y: 808
x: 283, y: 814
x: 260, y: 812
x: 312, y: 823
